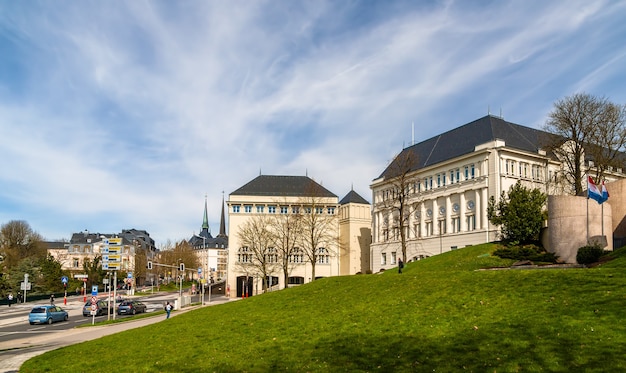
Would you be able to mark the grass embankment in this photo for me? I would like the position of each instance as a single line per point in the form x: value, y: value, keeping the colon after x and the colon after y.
x: 440, y: 314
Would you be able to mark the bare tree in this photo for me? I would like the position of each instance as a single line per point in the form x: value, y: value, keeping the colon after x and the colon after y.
x: 609, y: 140
x: 257, y: 238
x: 584, y: 125
x: 398, y: 199
x: 286, y: 228
x: 181, y: 252
x: 319, y: 223
x: 18, y: 241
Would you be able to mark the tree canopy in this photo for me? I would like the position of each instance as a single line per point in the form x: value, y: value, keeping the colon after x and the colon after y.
x: 519, y: 213
x: 585, y: 127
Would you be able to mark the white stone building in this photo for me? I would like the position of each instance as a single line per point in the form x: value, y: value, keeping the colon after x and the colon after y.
x: 347, y: 253
x: 451, y: 178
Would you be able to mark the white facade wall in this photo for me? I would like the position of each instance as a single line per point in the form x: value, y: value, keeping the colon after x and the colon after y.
x: 237, y: 219
x: 453, y: 214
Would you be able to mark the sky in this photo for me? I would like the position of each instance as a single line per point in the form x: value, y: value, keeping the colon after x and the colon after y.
x: 128, y: 114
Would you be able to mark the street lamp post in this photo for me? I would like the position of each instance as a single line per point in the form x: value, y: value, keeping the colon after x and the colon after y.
x: 206, y: 273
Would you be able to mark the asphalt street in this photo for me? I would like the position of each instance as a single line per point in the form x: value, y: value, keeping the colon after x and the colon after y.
x: 14, y: 352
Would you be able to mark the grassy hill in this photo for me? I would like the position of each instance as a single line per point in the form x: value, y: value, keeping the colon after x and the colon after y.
x: 441, y: 314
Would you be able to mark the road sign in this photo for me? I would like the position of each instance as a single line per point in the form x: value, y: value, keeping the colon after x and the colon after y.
x: 115, y: 241
x: 94, y: 290
x: 94, y: 300
x: 25, y: 285
x: 111, y: 266
x: 81, y: 276
x: 64, y: 279
x: 129, y: 275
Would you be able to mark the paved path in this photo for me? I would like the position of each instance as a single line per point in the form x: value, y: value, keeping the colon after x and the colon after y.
x: 14, y: 353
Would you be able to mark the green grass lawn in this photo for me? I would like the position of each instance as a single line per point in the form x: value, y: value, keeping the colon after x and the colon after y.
x: 442, y: 314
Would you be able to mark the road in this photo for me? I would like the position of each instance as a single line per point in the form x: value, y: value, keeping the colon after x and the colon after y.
x: 19, y: 341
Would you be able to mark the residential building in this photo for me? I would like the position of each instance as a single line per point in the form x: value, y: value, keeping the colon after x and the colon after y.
x: 296, y: 196
x: 449, y: 180
x: 86, y: 246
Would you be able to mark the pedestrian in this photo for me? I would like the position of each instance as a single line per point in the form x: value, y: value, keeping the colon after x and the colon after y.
x: 168, y: 309
x: 52, y: 300
x: 400, y: 265
x: 10, y: 298
x: 19, y: 297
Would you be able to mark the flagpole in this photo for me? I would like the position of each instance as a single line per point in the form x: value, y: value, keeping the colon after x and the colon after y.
x: 587, y: 218
x: 587, y: 209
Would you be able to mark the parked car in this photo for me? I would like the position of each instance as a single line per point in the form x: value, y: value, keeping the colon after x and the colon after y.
x: 131, y: 307
x: 101, y: 308
x: 47, y: 315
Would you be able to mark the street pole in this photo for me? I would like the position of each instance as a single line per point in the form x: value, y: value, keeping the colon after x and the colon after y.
x: 114, y: 291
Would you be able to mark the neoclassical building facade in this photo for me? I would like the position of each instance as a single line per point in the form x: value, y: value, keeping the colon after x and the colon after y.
x: 269, y: 195
x: 449, y: 182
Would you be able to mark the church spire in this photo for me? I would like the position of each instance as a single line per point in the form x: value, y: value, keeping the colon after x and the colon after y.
x: 222, y: 220
x: 205, y: 221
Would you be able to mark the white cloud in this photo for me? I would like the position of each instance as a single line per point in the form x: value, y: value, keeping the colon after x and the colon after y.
x: 125, y: 114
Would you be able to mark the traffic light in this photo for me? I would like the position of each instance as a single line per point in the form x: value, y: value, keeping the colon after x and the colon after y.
x: 149, y: 265
x: 182, y: 267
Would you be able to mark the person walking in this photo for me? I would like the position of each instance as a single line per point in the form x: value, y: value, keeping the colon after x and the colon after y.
x: 400, y: 265
x: 10, y: 298
x: 168, y: 309
x: 52, y: 300
x: 19, y: 297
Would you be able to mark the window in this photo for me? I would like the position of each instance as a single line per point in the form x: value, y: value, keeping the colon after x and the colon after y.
x: 429, y: 229
x: 438, y: 180
x: 430, y: 182
x: 331, y: 211
x: 259, y: 209
x: 236, y: 208
x: 319, y: 210
x: 458, y: 175
x: 283, y: 209
x: 456, y: 225
x: 243, y: 256
x: 443, y: 179
x: 75, y: 262
x: 393, y: 257
x: 442, y: 227
x: 471, y: 222
x: 472, y: 171
x: 466, y: 171
x: 271, y: 209
x: 296, y: 256
x: 451, y: 177
x: 323, y: 256
x: 307, y: 210
x: 383, y: 259
x: 295, y: 210
x: 247, y: 208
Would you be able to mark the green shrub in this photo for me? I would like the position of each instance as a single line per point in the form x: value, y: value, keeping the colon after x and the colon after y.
x: 530, y: 252
x: 588, y: 254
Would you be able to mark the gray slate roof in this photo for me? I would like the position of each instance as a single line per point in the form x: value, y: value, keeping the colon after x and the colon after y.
x: 462, y: 140
x: 353, y: 197
x: 283, y: 186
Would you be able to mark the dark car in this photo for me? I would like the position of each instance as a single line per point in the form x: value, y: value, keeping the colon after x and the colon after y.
x: 101, y: 308
x: 47, y: 315
x: 131, y: 307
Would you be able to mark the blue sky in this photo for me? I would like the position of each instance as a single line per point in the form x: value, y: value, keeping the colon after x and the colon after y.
x: 125, y: 114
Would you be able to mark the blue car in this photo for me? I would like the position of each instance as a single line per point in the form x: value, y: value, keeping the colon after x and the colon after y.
x: 47, y: 315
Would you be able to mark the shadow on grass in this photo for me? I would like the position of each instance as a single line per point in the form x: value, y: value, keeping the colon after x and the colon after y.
x: 518, y: 348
